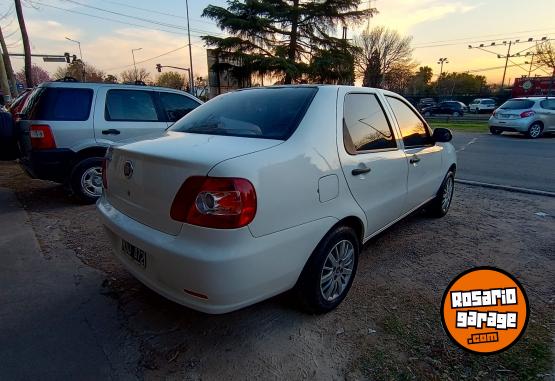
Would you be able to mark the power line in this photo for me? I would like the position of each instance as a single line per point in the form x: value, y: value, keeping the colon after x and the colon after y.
x: 148, y: 59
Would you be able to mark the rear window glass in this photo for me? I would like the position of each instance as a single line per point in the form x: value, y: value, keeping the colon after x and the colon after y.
x: 59, y: 104
x: 269, y: 113
x: 488, y: 102
x: 517, y: 104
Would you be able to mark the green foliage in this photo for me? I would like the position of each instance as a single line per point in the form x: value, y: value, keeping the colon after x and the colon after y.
x: 460, y: 84
x: 81, y: 71
x: 172, y: 80
x: 284, y: 38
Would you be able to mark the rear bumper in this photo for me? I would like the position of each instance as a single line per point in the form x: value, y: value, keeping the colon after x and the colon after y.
x: 231, y: 268
x: 516, y: 125
x: 54, y: 165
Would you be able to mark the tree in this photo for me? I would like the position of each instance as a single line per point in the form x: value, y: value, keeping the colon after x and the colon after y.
x: 110, y: 78
x: 384, y: 55
x: 81, y: 71
x: 25, y: 40
x: 333, y: 66
x: 280, y: 37
x: 420, y: 81
x: 39, y: 75
x: 130, y: 76
x: 460, y: 84
x: 546, y: 57
x: 171, y: 79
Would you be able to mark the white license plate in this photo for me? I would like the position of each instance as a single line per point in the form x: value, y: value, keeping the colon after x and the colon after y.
x: 138, y: 255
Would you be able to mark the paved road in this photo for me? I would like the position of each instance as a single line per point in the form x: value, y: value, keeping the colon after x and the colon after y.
x: 508, y: 159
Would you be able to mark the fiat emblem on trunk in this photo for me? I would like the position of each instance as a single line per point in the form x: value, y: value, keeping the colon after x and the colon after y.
x: 128, y: 169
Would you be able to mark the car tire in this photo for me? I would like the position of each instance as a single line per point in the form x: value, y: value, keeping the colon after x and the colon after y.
x: 329, y: 272
x: 86, y: 179
x: 439, y: 206
x: 495, y: 131
x: 457, y: 114
x: 534, y: 131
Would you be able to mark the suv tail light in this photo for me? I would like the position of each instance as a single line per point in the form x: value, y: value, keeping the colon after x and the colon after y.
x: 41, y: 137
x: 215, y: 202
x: 526, y: 114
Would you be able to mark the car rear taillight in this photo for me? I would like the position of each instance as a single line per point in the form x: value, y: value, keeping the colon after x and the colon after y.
x: 494, y: 113
x: 215, y: 202
x: 41, y: 137
x: 526, y: 114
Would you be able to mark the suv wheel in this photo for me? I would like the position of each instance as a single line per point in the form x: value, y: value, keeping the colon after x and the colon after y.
x: 329, y: 272
x: 86, y: 179
x: 439, y: 206
x: 534, y: 131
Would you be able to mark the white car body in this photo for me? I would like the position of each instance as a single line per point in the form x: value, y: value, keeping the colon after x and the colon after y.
x: 304, y: 187
x: 481, y: 104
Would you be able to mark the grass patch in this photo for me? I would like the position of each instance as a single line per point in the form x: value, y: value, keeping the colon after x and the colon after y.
x: 462, y: 126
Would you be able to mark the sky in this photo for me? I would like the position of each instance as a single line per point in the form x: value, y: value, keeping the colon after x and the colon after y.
x: 439, y: 28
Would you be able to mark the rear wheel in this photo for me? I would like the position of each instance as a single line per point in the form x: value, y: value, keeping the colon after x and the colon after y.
x: 427, y: 113
x: 457, y: 114
x: 329, y: 272
x: 534, y: 131
x: 495, y: 131
x: 439, y: 206
x: 86, y: 179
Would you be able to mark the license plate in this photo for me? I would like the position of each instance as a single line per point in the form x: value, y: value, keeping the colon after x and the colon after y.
x: 138, y: 255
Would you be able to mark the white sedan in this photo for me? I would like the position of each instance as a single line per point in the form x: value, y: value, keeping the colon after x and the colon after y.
x: 267, y: 189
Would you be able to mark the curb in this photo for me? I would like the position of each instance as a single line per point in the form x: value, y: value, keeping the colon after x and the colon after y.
x: 506, y: 188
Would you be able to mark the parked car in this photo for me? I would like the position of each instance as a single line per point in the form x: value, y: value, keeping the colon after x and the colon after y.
x: 65, y: 127
x: 463, y: 106
x: 267, y: 189
x: 531, y: 116
x: 425, y: 102
x: 482, y: 105
x: 17, y: 105
x: 446, y: 108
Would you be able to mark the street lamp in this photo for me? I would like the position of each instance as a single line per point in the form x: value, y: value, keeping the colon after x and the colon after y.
x: 441, y: 61
x: 134, y: 64
x: 192, y: 84
x: 80, y: 55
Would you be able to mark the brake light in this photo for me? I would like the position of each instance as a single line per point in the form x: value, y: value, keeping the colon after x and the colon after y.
x: 494, y: 113
x: 41, y: 137
x: 215, y: 202
x: 526, y: 114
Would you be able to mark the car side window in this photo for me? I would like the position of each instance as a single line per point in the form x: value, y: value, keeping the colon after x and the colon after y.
x: 413, y: 129
x: 548, y: 104
x: 365, y: 126
x: 130, y: 106
x: 176, y: 106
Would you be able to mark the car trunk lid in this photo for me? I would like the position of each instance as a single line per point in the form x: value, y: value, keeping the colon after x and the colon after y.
x: 156, y: 169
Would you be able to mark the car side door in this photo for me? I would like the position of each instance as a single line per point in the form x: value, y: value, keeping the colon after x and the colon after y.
x: 423, y: 156
x: 122, y: 114
x: 371, y: 156
x: 175, y: 105
x: 548, y: 111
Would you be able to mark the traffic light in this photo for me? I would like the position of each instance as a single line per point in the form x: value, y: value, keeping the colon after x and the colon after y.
x: 74, y: 58
x: 159, y: 68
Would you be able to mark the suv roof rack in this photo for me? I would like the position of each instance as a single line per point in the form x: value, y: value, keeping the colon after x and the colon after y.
x: 67, y: 79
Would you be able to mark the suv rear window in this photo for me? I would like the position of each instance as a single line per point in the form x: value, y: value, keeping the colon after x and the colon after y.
x: 517, y: 104
x: 488, y: 102
x: 268, y: 113
x: 59, y: 104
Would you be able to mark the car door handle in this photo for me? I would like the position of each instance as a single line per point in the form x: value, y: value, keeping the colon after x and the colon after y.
x: 415, y: 159
x: 111, y: 131
x: 360, y: 171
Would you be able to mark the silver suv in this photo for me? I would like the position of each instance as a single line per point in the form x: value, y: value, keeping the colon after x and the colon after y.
x: 531, y: 116
x: 65, y: 127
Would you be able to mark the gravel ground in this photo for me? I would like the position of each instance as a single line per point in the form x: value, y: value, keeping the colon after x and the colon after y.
x: 387, y: 328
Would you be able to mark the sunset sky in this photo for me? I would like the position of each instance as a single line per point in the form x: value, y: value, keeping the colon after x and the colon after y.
x: 440, y: 28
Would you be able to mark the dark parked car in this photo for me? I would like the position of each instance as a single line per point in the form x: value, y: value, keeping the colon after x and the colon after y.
x: 446, y: 108
x: 425, y: 102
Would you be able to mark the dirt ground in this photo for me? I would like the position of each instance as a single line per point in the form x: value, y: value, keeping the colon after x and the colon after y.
x: 387, y: 328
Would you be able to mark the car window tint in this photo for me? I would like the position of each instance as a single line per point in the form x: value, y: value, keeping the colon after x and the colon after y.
x: 414, y: 131
x: 130, y: 105
x: 488, y: 102
x: 548, y: 104
x: 59, y: 104
x: 365, y: 124
x: 517, y: 104
x: 268, y: 113
x: 176, y: 106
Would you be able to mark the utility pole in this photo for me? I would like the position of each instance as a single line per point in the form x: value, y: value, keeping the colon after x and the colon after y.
x: 531, y: 63
x: 506, y: 63
x: 25, y: 40
x: 8, y: 64
x: 191, y: 77
x: 134, y: 64
x: 80, y: 57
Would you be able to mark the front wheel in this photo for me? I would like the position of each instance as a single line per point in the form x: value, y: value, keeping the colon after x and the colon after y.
x: 86, y: 180
x: 534, y: 131
x: 329, y: 272
x: 439, y: 206
x: 457, y: 114
x: 495, y: 131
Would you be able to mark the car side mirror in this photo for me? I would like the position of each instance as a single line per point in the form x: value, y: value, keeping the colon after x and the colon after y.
x: 442, y: 135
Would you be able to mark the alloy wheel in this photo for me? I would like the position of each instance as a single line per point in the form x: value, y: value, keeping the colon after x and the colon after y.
x: 91, y: 182
x: 337, y: 270
x: 447, y: 193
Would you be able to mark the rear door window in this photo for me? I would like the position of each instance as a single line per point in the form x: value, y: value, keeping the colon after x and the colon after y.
x: 59, y: 104
x: 517, y: 104
x: 176, y: 106
x: 548, y: 104
x: 365, y: 126
x: 130, y: 106
x: 268, y: 113
x: 414, y: 130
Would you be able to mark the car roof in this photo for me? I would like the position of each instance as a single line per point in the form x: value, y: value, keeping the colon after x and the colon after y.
x: 96, y: 85
x: 536, y: 98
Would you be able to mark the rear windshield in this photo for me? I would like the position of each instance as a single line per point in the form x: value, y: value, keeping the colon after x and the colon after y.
x: 517, y: 104
x: 488, y: 102
x: 269, y: 113
x: 58, y: 104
